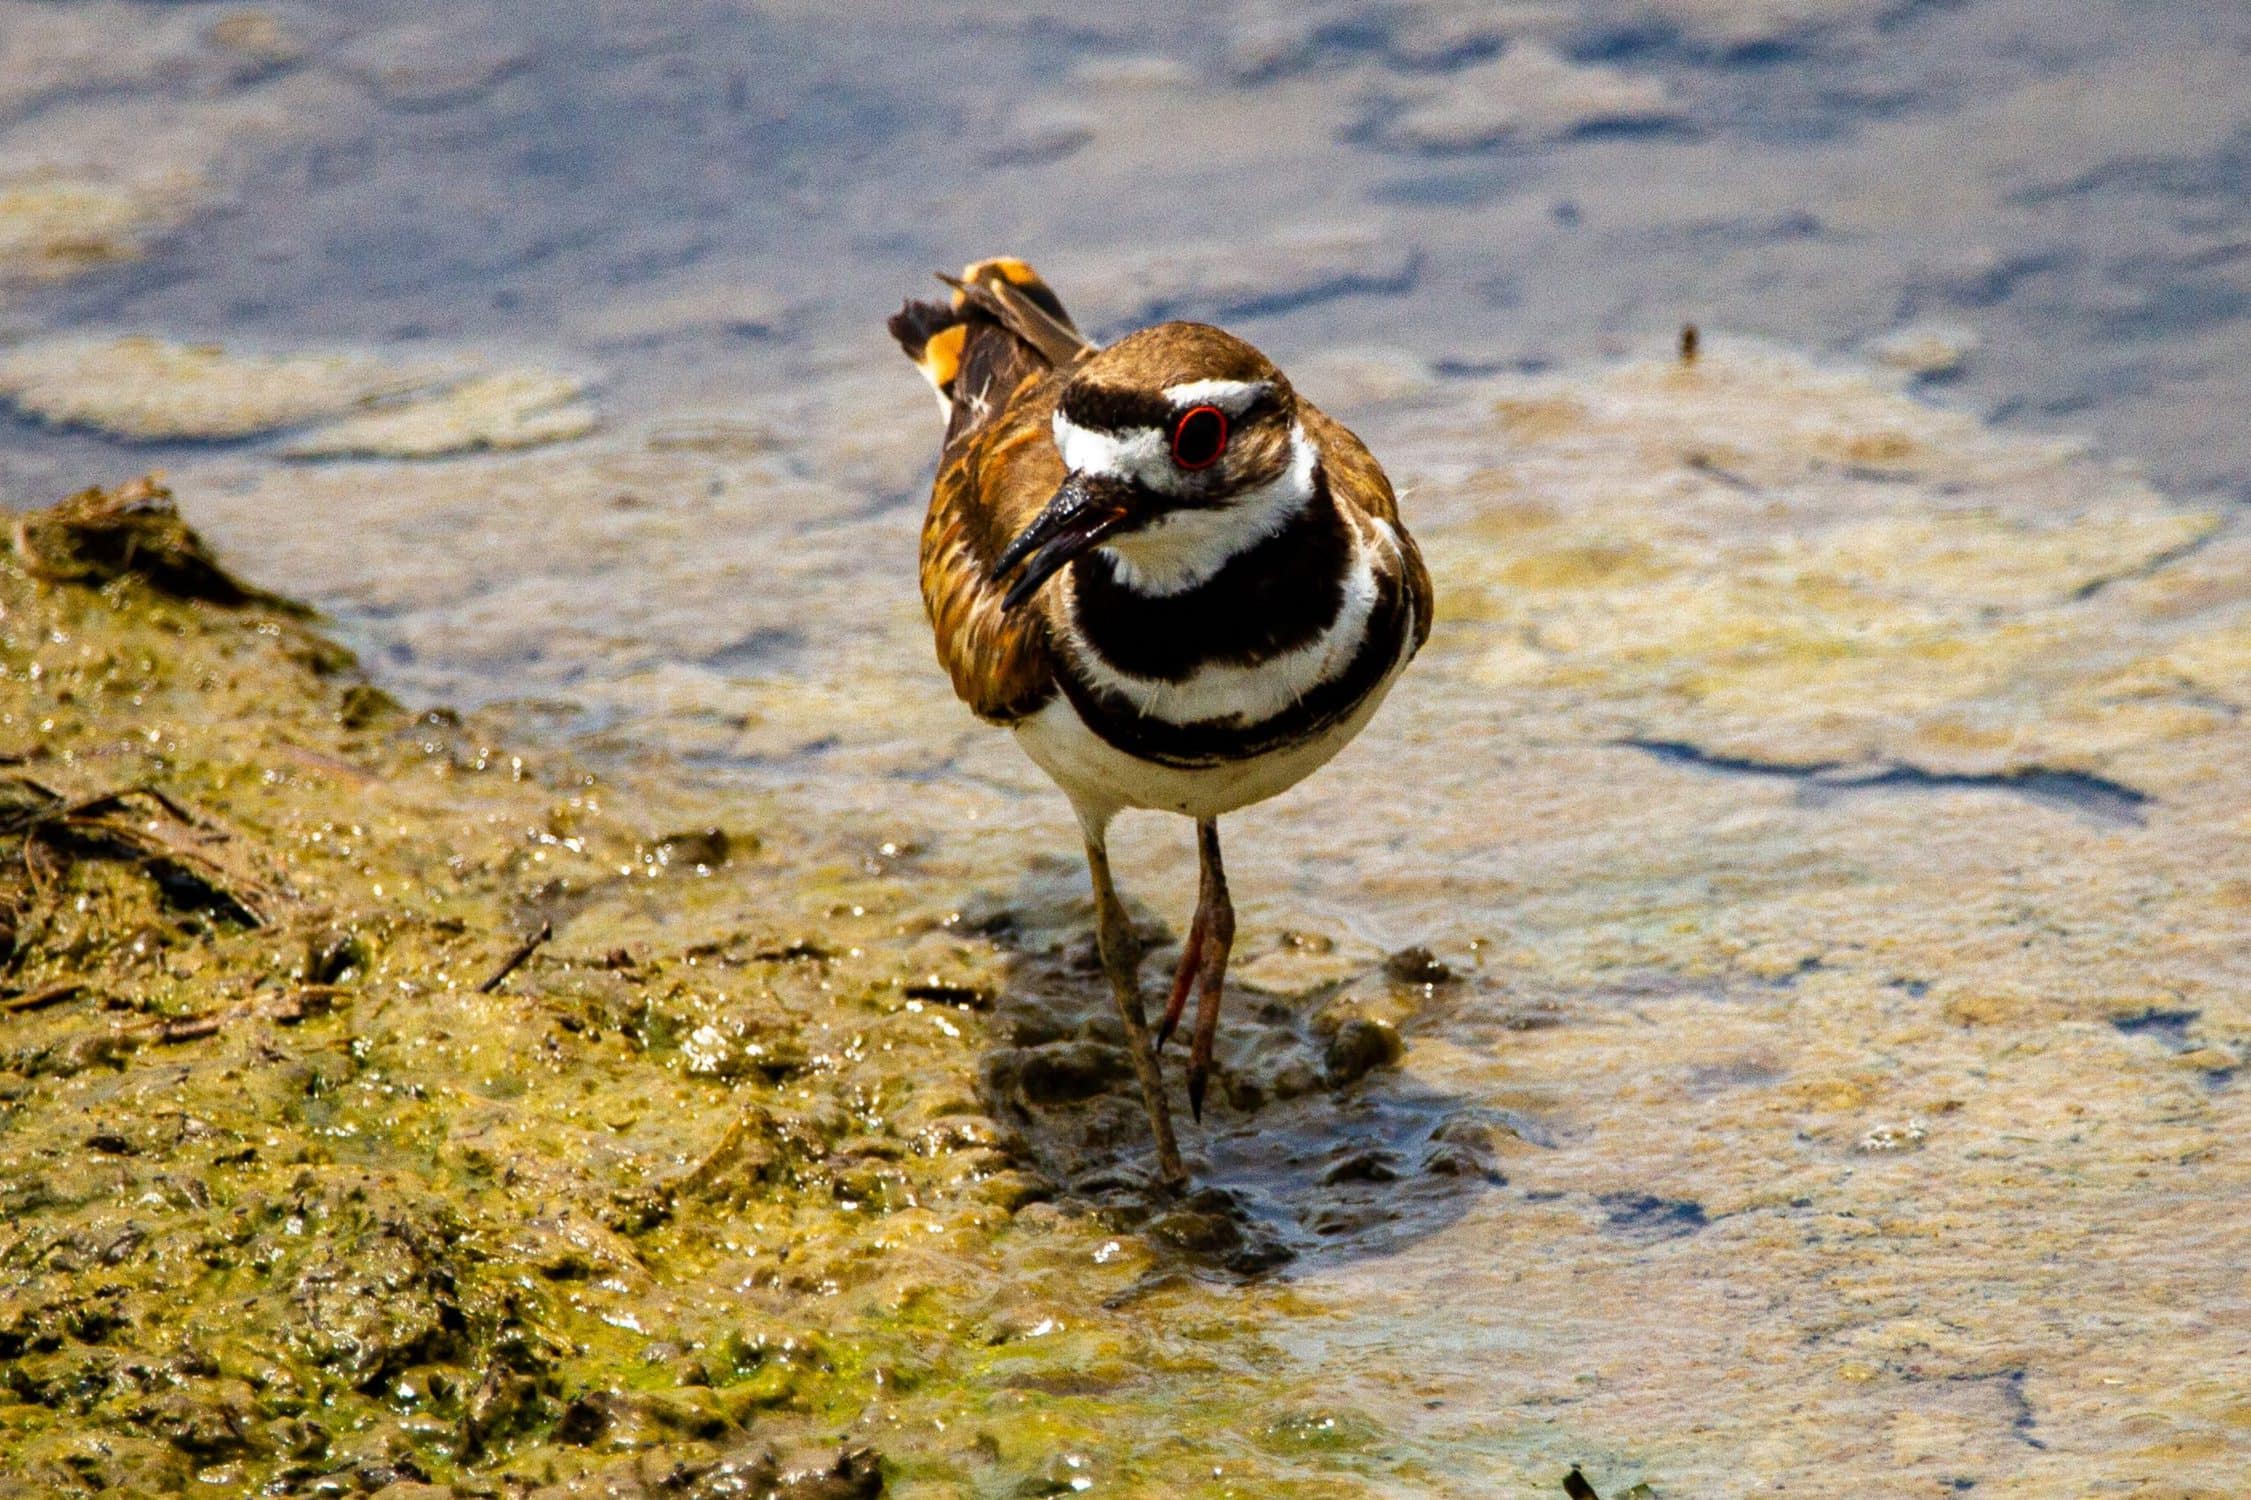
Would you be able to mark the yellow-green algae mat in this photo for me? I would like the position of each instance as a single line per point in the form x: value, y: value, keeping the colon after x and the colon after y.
x: 316, y: 1181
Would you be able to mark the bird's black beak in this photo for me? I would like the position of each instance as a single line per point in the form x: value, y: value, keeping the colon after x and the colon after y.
x: 1084, y: 511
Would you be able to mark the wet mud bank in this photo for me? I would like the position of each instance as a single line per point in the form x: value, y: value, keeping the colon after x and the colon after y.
x: 382, y: 1108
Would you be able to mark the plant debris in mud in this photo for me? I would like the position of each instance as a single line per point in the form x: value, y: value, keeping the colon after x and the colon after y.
x: 190, y: 857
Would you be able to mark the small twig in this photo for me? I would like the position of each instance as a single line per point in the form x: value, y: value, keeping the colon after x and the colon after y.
x: 18, y: 818
x: 180, y: 810
x: 1705, y: 464
x: 210, y: 823
x: 38, y: 866
x: 189, y: 1028
x: 39, y: 999
x: 101, y: 802
x: 34, y: 562
x: 104, y: 821
x: 516, y: 959
x: 306, y: 1000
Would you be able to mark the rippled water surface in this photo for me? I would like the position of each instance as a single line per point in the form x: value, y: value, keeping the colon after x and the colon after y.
x: 1826, y: 791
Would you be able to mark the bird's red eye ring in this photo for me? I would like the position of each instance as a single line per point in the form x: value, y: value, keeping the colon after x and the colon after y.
x: 1199, y: 437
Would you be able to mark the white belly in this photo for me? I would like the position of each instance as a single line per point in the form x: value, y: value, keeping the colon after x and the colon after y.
x: 1101, y: 779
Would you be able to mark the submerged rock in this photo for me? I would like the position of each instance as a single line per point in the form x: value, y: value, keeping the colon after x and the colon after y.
x: 349, y: 405
x: 50, y: 230
x: 1358, y: 1047
x: 505, y: 410
x: 150, y: 389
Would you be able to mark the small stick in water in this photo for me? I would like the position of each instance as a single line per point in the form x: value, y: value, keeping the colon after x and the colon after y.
x: 516, y: 959
x: 190, y: 1028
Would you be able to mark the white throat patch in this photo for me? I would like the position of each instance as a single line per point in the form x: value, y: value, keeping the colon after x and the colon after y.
x: 1182, y: 548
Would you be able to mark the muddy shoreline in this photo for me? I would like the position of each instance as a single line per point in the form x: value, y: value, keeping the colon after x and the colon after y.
x: 1803, y: 873
x: 1824, y: 801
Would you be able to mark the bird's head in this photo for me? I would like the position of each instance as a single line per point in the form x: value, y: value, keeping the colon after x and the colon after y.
x: 1182, y: 446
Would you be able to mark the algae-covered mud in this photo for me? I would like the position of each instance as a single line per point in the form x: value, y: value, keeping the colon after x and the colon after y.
x: 1763, y: 1009
x: 318, y: 1182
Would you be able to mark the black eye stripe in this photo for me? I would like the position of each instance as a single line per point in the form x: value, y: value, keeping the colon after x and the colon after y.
x: 1105, y: 410
x: 1115, y: 411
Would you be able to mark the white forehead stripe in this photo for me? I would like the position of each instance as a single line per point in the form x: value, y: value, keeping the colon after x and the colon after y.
x: 1230, y: 396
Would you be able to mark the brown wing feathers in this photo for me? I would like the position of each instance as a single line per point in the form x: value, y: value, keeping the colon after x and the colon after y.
x: 1015, y: 308
x: 992, y: 353
x: 1001, y: 324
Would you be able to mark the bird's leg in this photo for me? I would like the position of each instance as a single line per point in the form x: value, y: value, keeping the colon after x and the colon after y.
x: 1184, y: 977
x: 1121, y: 961
x: 1215, y: 923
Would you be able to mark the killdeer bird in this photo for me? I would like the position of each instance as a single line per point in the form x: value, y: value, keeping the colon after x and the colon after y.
x: 1180, y: 584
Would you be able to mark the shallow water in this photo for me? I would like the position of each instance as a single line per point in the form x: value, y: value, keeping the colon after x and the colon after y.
x: 1818, y: 778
